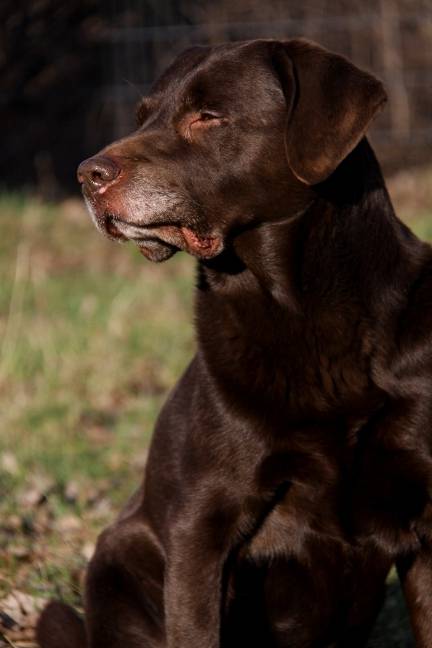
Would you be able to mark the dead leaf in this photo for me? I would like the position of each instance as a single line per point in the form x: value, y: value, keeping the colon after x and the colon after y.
x: 9, y: 463
x: 68, y: 524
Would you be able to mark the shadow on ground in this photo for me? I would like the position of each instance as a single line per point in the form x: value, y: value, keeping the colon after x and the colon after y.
x: 392, y: 629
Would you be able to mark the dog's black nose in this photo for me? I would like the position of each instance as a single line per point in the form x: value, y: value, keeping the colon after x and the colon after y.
x: 97, y: 171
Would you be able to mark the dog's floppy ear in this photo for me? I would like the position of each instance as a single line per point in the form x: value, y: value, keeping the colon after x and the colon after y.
x: 330, y: 104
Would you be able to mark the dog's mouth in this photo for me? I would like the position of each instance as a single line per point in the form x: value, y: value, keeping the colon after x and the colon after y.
x: 158, y: 242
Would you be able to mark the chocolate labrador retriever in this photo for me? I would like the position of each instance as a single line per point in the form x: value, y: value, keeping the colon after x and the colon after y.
x: 291, y: 466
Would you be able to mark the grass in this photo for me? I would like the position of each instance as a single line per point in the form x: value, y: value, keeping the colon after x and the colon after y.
x: 92, y: 337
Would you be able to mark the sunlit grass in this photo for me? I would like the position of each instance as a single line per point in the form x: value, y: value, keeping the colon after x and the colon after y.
x: 92, y: 336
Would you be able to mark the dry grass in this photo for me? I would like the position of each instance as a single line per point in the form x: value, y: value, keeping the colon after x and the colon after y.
x: 91, y: 339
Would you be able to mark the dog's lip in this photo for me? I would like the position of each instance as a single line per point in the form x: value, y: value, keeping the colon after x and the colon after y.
x: 136, y: 232
x: 113, y: 230
x: 170, y: 233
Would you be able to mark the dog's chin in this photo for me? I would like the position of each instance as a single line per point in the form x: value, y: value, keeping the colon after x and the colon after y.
x: 157, y: 242
x: 156, y: 251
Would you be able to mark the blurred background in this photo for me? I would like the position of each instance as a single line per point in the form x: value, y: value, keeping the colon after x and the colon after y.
x: 72, y: 71
x: 92, y: 336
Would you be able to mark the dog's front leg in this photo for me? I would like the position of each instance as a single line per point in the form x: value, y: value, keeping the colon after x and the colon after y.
x: 199, y: 546
x: 193, y: 592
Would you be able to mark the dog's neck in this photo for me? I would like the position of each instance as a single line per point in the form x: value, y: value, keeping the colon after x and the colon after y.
x: 345, y: 244
x: 298, y: 303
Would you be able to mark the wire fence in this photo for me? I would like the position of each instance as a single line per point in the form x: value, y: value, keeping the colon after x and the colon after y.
x: 72, y: 71
x: 393, y: 39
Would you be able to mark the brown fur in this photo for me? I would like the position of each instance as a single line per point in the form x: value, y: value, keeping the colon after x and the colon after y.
x: 291, y: 466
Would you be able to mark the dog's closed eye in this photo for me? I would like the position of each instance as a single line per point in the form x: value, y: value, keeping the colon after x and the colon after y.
x: 207, y: 116
x: 200, y: 121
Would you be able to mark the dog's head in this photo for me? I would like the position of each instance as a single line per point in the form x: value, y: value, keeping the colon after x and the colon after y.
x: 230, y: 136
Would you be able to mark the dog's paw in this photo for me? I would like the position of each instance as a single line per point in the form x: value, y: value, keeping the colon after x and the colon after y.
x: 59, y: 626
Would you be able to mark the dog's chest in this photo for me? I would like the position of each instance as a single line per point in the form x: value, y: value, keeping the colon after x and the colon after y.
x: 315, y: 363
x: 309, y: 500
x: 355, y: 494
x: 391, y: 501
x: 330, y: 364
x: 293, y: 523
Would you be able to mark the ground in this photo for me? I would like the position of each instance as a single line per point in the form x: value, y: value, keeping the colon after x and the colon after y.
x: 92, y: 337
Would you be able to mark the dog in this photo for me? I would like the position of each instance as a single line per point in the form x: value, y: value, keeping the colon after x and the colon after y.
x: 291, y: 465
